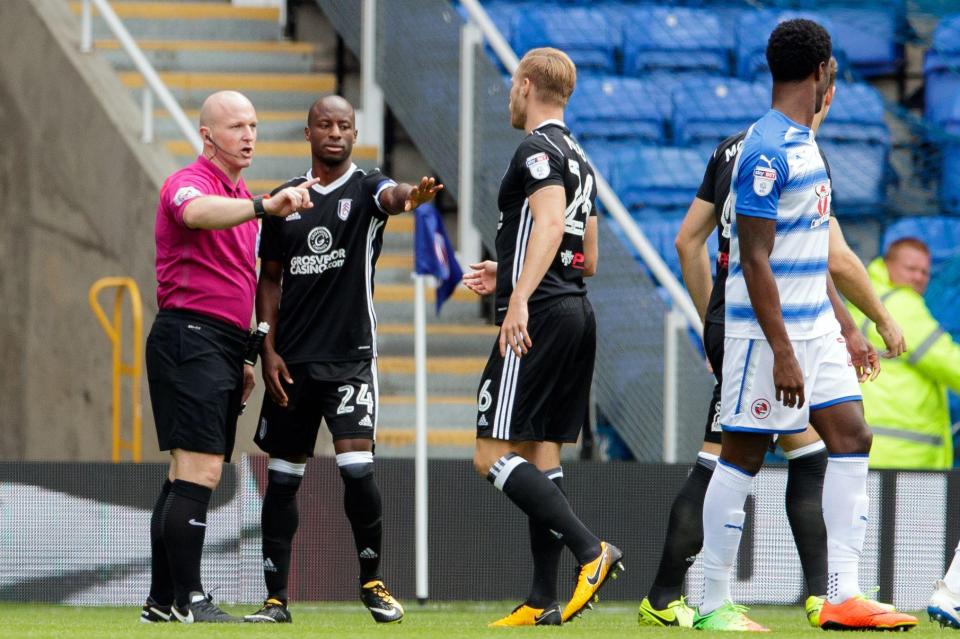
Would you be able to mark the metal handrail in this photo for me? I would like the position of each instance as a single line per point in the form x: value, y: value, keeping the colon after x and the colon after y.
x: 153, y: 83
x: 134, y: 370
x: 661, y: 272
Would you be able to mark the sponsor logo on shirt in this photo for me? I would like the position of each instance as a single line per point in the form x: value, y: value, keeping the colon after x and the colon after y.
x: 764, y: 177
x: 539, y: 165
x: 317, y: 264
x: 569, y: 258
x: 343, y: 208
x: 320, y: 240
x: 185, y: 193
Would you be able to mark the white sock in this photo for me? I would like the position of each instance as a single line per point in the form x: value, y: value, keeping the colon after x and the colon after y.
x: 952, y: 578
x: 722, y: 528
x: 845, y: 510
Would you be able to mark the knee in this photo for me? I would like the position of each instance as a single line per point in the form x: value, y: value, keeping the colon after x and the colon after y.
x: 355, y: 466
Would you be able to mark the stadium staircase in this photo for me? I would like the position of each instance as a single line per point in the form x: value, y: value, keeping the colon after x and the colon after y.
x: 201, y: 47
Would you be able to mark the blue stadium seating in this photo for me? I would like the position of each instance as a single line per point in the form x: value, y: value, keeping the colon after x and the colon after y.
x: 856, y: 115
x: 651, y: 177
x: 674, y: 39
x: 950, y: 179
x: 868, y: 37
x: 941, y: 70
x: 753, y: 31
x: 859, y: 173
x: 707, y: 110
x: 583, y: 33
x: 943, y: 295
x: 615, y: 107
x: 941, y: 234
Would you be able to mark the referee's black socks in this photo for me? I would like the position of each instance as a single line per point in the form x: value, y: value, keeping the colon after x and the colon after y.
x: 543, y: 502
x: 161, y: 582
x: 184, y: 525
x: 279, y: 521
x: 364, y: 508
x: 546, y: 546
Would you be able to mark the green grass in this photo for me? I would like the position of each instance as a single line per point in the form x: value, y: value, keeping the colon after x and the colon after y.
x: 349, y: 621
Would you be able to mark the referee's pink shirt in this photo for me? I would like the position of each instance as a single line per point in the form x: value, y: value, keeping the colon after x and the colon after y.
x: 206, y: 271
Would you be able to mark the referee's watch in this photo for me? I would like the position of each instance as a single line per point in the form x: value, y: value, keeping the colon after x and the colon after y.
x: 258, y: 210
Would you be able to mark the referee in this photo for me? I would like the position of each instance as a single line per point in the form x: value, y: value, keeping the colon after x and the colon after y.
x: 316, y: 287
x: 206, y: 233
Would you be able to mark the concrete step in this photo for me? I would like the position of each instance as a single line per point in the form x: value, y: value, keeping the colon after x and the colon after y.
x: 446, y: 340
x: 271, y: 125
x: 447, y: 411
x: 442, y: 442
x: 267, y: 91
x: 191, y: 21
x: 446, y: 376
x: 214, y: 55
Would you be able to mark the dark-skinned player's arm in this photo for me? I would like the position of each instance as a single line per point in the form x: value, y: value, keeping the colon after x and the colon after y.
x: 757, y: 235
x: 691, y: 244
x: 406, y: 197
x: 591, y: 247
x: 863, y: 355
x: 547, y: 206
x: 268, y: 310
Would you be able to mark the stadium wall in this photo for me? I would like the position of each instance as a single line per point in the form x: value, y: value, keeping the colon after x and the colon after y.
x: 78, y: 192
x: 102, y: 555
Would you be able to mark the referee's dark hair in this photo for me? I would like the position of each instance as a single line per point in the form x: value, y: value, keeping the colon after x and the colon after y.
x: 796, y: 48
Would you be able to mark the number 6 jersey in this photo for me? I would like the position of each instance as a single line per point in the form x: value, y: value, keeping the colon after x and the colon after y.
x: 548, y: 156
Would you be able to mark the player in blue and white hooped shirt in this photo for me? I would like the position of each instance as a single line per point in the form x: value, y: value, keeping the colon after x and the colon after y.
x: 785, y: 361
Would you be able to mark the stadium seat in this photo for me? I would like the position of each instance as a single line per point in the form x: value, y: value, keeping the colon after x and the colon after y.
x: 941, y: 70
x: 707, y: 110
x: 950, y: 181
x: 941, y: 234
x: 754, y: 30
x: 583, y: 33
x: 860, y: 174
x: 867, y: 37
x: 943, y: 295
x: 617, y: 108
x: 673, y: 39
x: 857, y: 115
x: 654, y: 177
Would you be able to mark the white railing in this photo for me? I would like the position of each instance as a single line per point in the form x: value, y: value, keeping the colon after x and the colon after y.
x: 152, y: 84
x: 683, y: 312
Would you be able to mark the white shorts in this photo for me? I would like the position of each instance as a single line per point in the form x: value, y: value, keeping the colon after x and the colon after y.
x: 749, y: 399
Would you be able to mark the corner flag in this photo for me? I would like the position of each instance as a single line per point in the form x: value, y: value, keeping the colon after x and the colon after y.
x: 434, y: 252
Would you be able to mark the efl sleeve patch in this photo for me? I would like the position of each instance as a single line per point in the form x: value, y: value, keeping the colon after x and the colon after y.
x: 764, y: 177
x: 539, y: 165
x: 185, y: 193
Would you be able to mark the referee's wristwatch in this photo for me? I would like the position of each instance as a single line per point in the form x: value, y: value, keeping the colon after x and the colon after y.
x: 258, y: 210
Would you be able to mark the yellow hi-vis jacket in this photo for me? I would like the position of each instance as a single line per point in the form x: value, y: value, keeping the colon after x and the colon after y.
x: 906, y: 407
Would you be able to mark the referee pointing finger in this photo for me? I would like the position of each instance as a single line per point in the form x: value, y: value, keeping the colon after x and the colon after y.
x: 206, y: 233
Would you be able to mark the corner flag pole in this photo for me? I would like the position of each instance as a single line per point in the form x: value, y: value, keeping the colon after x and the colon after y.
x: 420, y: 456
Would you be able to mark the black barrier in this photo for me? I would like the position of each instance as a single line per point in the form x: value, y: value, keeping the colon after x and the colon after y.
x: 78, y: 533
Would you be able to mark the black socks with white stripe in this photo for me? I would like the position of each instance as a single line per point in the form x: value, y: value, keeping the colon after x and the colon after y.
x: 543, y: 502
x: 546, y: 546
x: 364, y: 509
x: 279, y: 521
x: 183, y: 523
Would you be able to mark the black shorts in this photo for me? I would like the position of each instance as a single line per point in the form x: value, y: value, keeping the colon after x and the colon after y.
x: 195, y: 372
x: 713, y: 345
x: 544, y: 395
x: 343, y: 394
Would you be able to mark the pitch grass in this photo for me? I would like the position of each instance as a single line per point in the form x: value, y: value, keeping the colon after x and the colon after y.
x: 458, y: 620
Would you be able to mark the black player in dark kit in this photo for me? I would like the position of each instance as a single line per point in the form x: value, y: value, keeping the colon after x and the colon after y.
x: 535, y: 388
x: 316, y: 287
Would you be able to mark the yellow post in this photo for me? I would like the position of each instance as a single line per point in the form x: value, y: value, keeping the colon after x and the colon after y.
x: 134, y: 369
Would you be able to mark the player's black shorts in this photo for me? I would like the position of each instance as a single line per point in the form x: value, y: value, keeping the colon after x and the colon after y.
x: 544, y: 395
x: 344, y: 394
x: 195, y: 372
x: 713, y: 345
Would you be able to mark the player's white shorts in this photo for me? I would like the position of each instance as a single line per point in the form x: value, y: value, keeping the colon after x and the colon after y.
x: 749, y: 399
